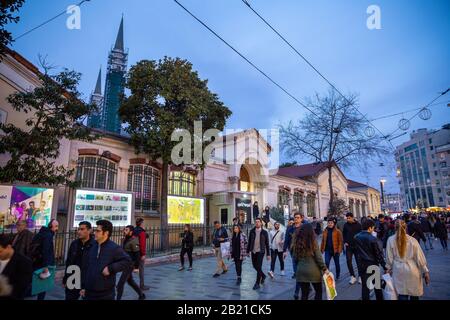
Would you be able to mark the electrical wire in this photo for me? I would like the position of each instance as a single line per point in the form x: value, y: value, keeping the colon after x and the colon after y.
x: 246, y: 59
x: 314, y: 68
x: 45, y: 22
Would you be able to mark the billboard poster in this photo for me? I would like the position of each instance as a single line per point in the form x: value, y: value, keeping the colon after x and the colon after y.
x: 32, y: 204
x: 182, y: 210
x: 244, y: 209
x: 93, y: 205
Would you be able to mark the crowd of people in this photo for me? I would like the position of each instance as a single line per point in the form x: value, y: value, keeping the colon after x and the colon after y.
x: 99, y: 259
x: 391, y: 245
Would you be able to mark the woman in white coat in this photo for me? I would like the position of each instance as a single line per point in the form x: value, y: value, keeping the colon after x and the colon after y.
x: 407, y: 263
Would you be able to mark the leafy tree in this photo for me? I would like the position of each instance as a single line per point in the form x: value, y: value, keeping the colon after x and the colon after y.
x: 338, y: 207
x: 333, y: 134
x: 7, y: 10
x: 167, y: 95
x: 54, y: 112
x: 288, y: 164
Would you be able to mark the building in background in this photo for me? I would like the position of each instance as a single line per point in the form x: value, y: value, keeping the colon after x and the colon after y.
x: 393, y: 202
x: 422, y: 168
x: 107, y: 119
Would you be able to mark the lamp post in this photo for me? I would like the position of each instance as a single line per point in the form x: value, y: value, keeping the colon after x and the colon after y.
x: 382, y: 182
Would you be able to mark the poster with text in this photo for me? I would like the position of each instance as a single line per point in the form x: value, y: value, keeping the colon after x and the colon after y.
x: 93, y: 205
x: 182, y: 210
x: 31, y: 204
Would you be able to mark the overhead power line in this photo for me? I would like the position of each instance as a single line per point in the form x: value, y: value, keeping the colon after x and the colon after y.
x: 247, y: 60
x: 45, y: 22
x: 314, y: 68
x: 406, y: 111
x: 417, y: 113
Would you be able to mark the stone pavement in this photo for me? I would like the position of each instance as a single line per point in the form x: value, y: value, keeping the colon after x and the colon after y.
x: 167, y: 283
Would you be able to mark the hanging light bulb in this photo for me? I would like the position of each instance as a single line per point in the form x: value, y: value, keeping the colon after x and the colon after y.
x: 425, y: 113
x: 404, y: 124
x: 369, y: 131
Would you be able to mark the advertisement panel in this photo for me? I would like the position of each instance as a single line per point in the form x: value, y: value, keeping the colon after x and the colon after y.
x: 32, y: 204
x: 93, y: 205
x: 182, y: 210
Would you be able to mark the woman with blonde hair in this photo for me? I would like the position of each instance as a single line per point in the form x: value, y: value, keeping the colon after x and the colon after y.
x: 406, y: 263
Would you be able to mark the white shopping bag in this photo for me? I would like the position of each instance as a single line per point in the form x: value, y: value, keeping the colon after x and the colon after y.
x: 389, y: 292
x: 330, y: 285
x: 225, y: 248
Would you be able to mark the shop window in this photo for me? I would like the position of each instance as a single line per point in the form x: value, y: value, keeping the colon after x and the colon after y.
x: 182, y: 184
x: 96, y: 172
x: 143, y: 181
x: 298, y: 201
x: 311, y: 204
x: 283, y: 198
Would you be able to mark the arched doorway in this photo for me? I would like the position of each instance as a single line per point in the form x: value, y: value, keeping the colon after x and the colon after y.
x: 244, y: 180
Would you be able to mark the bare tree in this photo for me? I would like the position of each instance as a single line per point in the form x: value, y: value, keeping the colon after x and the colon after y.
x: 333, y: 134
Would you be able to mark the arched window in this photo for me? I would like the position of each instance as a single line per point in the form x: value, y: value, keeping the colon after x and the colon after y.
x: 298, y: 201
x: 143, y: 181
x: 182, y: 184
x: 283, y: 197
x: 96, y: 172
x: 311, y: 204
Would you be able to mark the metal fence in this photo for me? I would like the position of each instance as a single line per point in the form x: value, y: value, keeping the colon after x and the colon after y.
x: 154, y: 246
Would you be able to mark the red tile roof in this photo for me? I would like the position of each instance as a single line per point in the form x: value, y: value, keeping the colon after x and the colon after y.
x: 302, y: 171
x: 355, y: 184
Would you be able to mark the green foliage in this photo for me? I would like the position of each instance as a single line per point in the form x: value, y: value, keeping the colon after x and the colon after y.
x: 54, y: 111
x: 277, y: 214
x: 7, y: 11
x: 288, y: 164
x: 338, y: 207
x: 165, y: 96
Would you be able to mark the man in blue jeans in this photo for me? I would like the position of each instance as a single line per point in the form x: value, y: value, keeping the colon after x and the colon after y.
x: 298, y: 219
x: 332, y: 243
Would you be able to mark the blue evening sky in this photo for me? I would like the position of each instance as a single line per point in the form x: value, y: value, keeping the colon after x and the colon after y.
x: 402, y: 66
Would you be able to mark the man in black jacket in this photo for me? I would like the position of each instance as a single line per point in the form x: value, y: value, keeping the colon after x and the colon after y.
x: 427, y: 230
x: 78, y: 255
x: 22, y: 239
x: 105, y: 260
x: 258, y: 245
x: 368, y: 253
x: 15, y: 270
x: 220, y: 235
x: 42, y: 251
x: 415, y: 230
x: 351, y: 228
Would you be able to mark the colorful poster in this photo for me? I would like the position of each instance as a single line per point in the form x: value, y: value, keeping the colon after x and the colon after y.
x: 182, y: 210
x: 93, y: 205
x: 31, y: 204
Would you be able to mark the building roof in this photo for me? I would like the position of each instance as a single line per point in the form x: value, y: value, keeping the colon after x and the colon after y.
x: 98, y: 86
x: 355, y: 184
x: 303, y: 171
x: 119, y: 39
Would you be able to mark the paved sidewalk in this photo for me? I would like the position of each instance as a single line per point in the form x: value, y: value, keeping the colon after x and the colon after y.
x: 167, y: 283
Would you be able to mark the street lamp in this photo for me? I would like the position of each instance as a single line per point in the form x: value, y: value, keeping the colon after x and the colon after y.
x: 382, y: 182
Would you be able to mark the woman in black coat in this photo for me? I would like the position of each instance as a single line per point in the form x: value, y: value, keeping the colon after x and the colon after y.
x: 187, y: 246
x: 440, y: 231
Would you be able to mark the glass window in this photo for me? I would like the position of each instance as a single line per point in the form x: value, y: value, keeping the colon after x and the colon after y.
x: 96, y: 172
x: 298, y: 201
x: 182, y: 184
x: 283, y: 198
x: 143, y: 181
x: 311, y: 204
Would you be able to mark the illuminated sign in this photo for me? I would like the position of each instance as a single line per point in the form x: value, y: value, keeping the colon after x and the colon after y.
x: 95, y: 205
x: 182, y: 210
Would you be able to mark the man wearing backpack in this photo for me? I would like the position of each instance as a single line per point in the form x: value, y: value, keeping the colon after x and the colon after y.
x: 139, y: 232
x: 42, y: 251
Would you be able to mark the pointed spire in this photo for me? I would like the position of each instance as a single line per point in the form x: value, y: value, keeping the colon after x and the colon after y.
x: 119, y: 39
x: 98, y: 86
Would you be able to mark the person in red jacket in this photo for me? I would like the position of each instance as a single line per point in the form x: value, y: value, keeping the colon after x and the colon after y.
x: 141, y: 234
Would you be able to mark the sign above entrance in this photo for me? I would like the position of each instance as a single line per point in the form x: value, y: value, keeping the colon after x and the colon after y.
x: 244, y: 209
